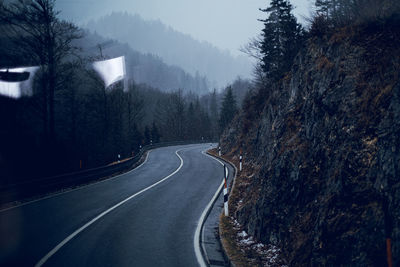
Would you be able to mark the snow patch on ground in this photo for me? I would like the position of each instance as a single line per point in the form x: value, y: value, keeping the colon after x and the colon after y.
x: 268, y: 253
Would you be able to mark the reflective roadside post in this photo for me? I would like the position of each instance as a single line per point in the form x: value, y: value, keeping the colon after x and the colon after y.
x: 226, y: 191
x: 219, y: 151
x: 240, y: 161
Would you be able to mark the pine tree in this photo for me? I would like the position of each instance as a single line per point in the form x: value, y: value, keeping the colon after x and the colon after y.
x: 282, y: 36
x: 147, y: 135
x: 343, y: 12
x: 214, y: 114
x: 136, y: 137
x: 192, y: 124
x: 228, y: 109
x: 323, y: 7
x: 155, y: 134
x: 337, y: 11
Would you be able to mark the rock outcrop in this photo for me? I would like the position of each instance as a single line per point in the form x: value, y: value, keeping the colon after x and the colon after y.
x: 323, y: 147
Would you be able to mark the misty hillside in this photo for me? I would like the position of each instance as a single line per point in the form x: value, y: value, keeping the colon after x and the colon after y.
x: 145, y: 68
x: 173, y: 47
x: 142, y: 68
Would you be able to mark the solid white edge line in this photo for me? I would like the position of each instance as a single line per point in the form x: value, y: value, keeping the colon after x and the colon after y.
x: 66, y: 240
x: 198, y: 232
x: 78, y: 188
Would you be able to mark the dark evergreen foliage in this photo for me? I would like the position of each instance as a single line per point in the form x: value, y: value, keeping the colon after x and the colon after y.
x: 228, y: 109
x: 282, y: 37
x: 147, y: 136
x: 155, y: 135
x: 345, y: 12
x: 175, y: 49
x: 94, y: 124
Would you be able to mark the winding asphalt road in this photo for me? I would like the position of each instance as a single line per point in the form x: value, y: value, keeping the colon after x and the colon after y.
x: 147, y: 217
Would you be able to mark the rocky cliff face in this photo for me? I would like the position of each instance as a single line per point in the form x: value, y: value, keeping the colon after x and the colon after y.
x: 322, y: 152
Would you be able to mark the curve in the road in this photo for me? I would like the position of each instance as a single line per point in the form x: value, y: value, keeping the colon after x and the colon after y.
x: 199, y: 248
x: 77, y: 188
x: 67, y: 239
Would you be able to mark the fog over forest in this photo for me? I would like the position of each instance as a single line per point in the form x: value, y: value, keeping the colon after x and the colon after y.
x: 173, y: 89
x: 203, y: 38
x: 133, y: 129
x: 175, y: 48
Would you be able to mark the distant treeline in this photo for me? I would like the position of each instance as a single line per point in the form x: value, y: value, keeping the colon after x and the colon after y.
x: 94, y: 124
x: 72, y: 121
x: 143, y: 68
x: 173, y: 47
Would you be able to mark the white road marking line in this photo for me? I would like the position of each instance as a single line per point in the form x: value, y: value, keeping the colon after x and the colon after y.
x: 78, y: 188
x: 66, y: 240
x: 198, y: 232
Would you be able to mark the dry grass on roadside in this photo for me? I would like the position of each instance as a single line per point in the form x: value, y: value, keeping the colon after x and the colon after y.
x: 241, y: 248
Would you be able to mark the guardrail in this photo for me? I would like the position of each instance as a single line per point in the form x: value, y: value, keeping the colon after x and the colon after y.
x: 45, y: 185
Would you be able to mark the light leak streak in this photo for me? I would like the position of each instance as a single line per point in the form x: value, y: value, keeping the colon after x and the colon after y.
x: 18, y: 89
x: 111, y: 70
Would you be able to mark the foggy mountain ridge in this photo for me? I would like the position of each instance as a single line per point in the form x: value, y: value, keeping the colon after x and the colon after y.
x: 175, y: 48
x: 145, y: 68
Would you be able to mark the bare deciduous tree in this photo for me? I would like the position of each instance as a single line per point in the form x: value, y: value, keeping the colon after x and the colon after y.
x: 41, y: 38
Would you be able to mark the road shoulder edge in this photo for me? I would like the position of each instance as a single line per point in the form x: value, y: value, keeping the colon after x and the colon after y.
x: 224, y: 235
x: 201, y: 254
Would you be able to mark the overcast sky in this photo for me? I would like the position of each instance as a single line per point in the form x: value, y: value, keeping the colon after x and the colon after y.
x: 227, y: 24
